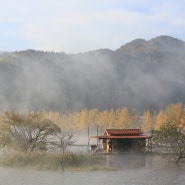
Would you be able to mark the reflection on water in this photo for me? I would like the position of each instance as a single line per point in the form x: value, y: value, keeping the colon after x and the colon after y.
x: 127, y: 161
x: 136, y: 170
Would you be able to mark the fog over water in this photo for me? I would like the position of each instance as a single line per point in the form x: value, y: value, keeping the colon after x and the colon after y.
x: 152, y: 173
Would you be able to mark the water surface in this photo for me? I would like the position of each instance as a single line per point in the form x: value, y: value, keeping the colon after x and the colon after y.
x: 154, y: 172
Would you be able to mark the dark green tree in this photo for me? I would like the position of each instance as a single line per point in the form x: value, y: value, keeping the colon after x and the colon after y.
x: 171, y: 138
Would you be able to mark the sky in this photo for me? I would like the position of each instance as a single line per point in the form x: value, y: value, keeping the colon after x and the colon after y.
x: 74, y: 26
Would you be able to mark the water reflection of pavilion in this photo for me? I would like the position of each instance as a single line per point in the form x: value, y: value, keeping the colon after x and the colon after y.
x: 124, y: 140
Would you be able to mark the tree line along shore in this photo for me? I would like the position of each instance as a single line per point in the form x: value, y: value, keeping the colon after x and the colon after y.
x: 30, y: 135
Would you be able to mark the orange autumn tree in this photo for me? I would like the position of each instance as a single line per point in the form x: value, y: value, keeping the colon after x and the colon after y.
x: 147, y: 121
x: 173, y: 113
x: 159, y: 119
x: 106, y: 119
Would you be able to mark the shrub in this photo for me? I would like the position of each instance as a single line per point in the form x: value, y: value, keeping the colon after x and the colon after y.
x: 49, y: 160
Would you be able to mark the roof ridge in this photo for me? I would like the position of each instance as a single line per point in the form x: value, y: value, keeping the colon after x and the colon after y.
x: 123, y: 132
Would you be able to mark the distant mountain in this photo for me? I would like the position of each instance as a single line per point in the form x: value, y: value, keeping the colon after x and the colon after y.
x: 140, y: 75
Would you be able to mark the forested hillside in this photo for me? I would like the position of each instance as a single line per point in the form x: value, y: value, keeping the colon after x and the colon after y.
x: 140, y: 75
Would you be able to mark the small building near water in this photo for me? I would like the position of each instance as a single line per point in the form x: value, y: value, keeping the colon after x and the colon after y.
x: 124, y: 140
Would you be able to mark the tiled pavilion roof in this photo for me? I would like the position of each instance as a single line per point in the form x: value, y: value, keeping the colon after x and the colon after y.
x: 122, y: 132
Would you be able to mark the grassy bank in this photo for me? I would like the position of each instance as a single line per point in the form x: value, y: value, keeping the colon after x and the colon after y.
x: 52, y: 161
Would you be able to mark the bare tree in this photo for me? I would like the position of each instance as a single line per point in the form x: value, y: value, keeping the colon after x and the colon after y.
x: 63, y: 139
x: 26, y: 132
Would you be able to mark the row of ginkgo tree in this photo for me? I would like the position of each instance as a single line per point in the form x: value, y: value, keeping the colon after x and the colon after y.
x: 119, y: 118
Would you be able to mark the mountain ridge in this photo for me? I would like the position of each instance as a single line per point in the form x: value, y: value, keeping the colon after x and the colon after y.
x: 140, y: 75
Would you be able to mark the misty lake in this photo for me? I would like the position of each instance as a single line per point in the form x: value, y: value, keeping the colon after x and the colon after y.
x: 151, y: 171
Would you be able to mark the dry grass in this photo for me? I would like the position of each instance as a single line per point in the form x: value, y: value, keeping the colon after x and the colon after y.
x: 52, y: 161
